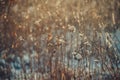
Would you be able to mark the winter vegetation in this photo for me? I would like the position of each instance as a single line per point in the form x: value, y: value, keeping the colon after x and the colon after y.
x: 59, y: 39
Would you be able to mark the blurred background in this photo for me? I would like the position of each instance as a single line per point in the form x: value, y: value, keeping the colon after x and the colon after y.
x: 59, y: 39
